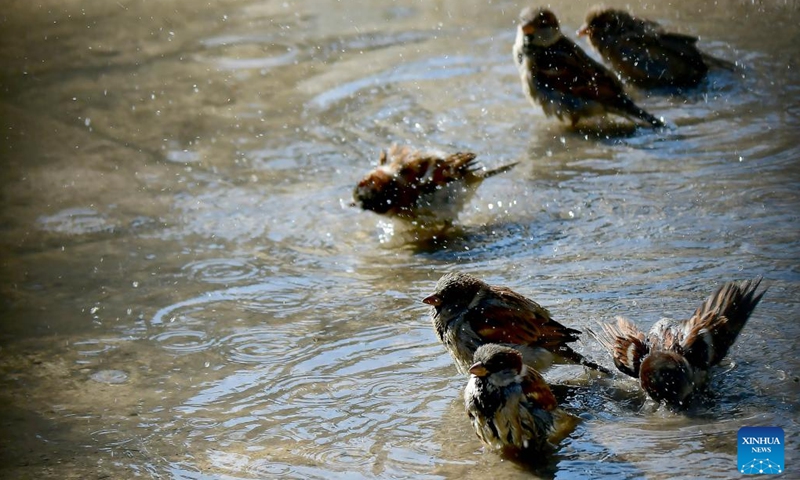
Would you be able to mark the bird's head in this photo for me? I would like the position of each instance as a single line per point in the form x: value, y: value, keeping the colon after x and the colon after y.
x: 539, y: 27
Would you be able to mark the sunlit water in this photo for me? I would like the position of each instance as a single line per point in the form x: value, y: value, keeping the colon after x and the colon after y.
x: 187, y: 294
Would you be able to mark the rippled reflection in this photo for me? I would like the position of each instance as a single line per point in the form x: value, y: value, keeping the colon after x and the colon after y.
x: 187, y: 293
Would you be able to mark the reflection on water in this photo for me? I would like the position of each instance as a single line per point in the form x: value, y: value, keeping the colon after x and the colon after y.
x: 187, y: 294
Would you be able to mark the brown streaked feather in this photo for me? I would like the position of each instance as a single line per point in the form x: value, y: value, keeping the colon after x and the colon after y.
x: 453, y: 167
x: 566, y: 68
x: 405, y: 176
x: 538, y: 392
x: 626, y: 343
x: 383, y: 158
x: 458, y: 166
x: 570, y: 70
x: 504, y: 316
x: 507, y: 317
x: 697, y: 342
x: 425, y: 172
x: 714, y: 326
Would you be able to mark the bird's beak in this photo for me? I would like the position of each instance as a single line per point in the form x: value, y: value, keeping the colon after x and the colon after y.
x: 432, y: 300
x: 584, y: 30
x: 528, y: 29
x: 478, y: 369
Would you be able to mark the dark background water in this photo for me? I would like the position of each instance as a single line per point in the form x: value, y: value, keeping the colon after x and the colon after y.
x: 185, y: 293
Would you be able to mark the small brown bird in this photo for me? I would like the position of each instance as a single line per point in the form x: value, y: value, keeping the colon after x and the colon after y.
x: 467, y: 313
x: 427, y: 186
x: 511, y: 407
x: 563, y: 79
x: 672, y: 360
x: 643, y: 53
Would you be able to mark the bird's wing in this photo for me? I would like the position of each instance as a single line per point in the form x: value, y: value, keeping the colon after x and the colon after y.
x: 714, y: 326
x: 427, y: 172
x: 457, y: 166
x: 652, y: 58
x: 626, y: 343
x: 501, y: 315
x: 677, y: 38
x: 537, y: 392
x: 569, y: 70
x: 642, y: 26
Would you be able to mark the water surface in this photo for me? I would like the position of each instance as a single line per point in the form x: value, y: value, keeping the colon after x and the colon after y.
x: 186, y: 293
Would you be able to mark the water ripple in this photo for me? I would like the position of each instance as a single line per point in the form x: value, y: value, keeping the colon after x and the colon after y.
x: 76, y: 221
x: 280, y: 337
x: 277, y: 296
x: 184, y: 341
x: 221, y: 270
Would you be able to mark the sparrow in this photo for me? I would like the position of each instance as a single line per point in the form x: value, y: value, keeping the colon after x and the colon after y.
x: 562, y: 78
x: 511, y: 407
x: 417, y: 185
x: 467, y: 312
x: 672, y: 361
x: 643, y: 53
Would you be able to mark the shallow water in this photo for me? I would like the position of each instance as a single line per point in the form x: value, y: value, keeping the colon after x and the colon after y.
x: 186, y: 293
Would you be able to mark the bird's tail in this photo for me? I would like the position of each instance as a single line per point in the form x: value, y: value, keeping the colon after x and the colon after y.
x: 564, y: 423
x: 630, y: 109
x: 715, y: 62
x: 490, y: 173
x: 567, y: 352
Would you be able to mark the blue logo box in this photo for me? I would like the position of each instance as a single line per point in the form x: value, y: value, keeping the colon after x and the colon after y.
x: 761, y: 450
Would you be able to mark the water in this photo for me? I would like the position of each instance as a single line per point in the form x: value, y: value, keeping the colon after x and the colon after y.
x: 186, y: 293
